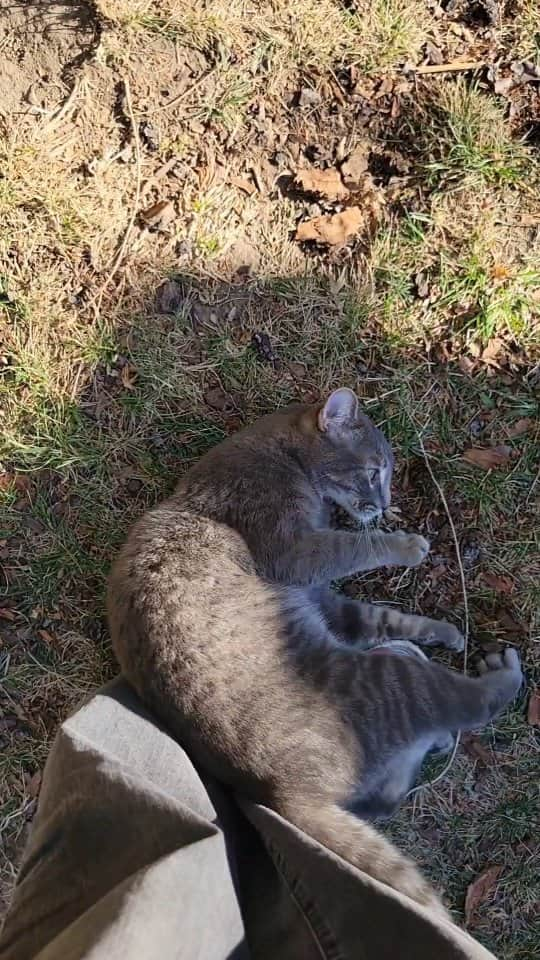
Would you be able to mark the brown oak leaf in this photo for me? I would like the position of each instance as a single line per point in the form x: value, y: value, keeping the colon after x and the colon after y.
x: 323, y: 183
x: 332, y: 230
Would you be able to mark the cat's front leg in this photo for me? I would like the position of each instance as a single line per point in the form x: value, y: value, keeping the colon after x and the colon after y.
x: 321, y: 556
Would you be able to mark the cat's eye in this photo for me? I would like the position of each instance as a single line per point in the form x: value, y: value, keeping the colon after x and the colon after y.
x: 373, y: 475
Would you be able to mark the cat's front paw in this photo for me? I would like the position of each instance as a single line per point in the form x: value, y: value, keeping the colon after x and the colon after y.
x: 409, y: 549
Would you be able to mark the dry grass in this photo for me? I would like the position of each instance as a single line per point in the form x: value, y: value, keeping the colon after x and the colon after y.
x: 315, y: 35
x: 105, y: 398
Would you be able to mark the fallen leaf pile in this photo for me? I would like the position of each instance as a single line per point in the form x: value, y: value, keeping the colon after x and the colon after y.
x: 352, y: 183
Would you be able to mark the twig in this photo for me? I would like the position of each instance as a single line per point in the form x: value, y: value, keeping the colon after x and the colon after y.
x: 453, y: 67
x: 60, y: 112
x: 96, y: 300
x: 440, y: 491
x: 185, y: 93
x: 533, y: 486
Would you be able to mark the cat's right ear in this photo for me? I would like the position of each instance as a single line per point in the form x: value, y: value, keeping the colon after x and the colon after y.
x: 340, y: 411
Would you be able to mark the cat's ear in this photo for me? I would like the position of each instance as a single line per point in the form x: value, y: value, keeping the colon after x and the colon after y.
x: 340, y: 410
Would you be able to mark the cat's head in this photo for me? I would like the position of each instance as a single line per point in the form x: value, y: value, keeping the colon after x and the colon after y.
x: 353, y: 460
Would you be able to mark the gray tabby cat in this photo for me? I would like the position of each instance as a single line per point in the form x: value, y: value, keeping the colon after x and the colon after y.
x: 223, y: 619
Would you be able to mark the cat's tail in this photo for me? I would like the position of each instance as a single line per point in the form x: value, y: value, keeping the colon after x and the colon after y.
x: 361, y: 845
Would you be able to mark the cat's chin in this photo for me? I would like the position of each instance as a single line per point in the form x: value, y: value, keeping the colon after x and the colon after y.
x: 366, y: 518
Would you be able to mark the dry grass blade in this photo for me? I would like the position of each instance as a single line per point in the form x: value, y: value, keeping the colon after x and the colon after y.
x: 455, y: 66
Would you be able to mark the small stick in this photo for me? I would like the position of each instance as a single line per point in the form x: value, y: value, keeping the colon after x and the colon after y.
x: 440, y: 491
x: 60, y: 112
x: 96, y: 301
x: 452, y: 67
x: 185, y: 93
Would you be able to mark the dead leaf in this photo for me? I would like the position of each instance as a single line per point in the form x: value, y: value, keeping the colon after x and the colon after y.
x: 355, y: 167
x: 503, y: 85
x: 297, y: 369
x: 466, y: 366
x: 323, y: 183
x: 20, y: 481
x: 533, y: 711
x: 520, y: 426
x: 34, y: 784
x: 493, y: 349
x: 501, y: 272
x: 476, y: 749
x: 506, y: 620
x: 332, y: 230
x: 47, y: 638
x: 245, y: 185
x: 481, y: 890
x: 422, y: 285
x: 433, y: 53
x: 529, y: 219
x: 218, y: 399
x: 308, y: 97
x: 502, y: 584
x: 488, y: 458
x: 128, y: 377
x: 385, y: 87
x: 6, y: 614
x: 170, y: 297
x: 159, y: 215
x: 16, y: 708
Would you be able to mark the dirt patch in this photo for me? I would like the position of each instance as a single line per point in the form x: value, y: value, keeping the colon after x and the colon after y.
x: 41, y: 43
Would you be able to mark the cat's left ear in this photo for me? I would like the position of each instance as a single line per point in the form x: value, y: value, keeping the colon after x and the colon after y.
x: 340, y: 411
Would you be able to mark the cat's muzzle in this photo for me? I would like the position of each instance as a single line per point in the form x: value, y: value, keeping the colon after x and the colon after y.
x: 367, y: 513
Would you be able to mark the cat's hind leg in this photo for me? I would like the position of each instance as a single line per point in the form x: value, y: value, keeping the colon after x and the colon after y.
x: 389, y: 788
x: 367, y: 624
